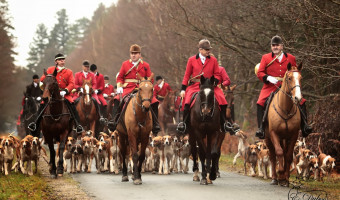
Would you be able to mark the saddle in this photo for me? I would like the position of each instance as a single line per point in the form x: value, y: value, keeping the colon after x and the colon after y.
x: 266, y: 105
x: 122, y: 107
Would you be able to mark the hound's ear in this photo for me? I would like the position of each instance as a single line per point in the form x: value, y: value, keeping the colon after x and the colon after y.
x: 45, y: 73
x: 299, y: 67
x: 289, y: 66
x: 55, y: 72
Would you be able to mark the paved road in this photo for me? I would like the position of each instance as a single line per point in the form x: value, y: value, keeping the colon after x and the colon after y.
x: 179, y: 187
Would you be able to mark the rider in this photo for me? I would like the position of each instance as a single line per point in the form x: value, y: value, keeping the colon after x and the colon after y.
x: 85, y: 74
x: 99, y: 88
x: 127, y: 82
x: 33, y: 89
x: 161, y: 88
x: 202, y: 64
x: 66, y: 84
x: 272, y: 69
x: 108, y: 88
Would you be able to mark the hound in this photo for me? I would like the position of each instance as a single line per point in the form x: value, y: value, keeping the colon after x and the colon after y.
x: 103, y: 156
x: 115, y: 157
x: 67, y: 155
x: 168, y: 154
x: 25, y: 156
x: 88, y: 152
x: 36, y: 152
x: 8, y: 149
x: 158, y: 151
x: 242, y: 144
x: 184, y: 154
x: 77, y: 157
x: 326, y: 163
x: 250, y: 158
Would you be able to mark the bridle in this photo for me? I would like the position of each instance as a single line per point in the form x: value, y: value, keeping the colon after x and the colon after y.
x: 287, y: 85
x: 211, y: 114
x: 141, y: 124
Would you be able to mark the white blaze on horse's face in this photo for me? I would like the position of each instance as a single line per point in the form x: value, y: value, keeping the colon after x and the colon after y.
x: 87, y: 92
x: 298, y: 95
x: 207, y: 92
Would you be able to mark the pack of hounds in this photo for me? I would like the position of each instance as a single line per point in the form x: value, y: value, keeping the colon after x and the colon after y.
x: 305, y: 162
x: 164, y: 155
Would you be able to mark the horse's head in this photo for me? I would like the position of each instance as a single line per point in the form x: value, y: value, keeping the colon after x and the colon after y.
x: 229, y: 96
x: 50, y: 86
x: 206, y: 95
x: 31, y: 105
x: 291, y: 82
x: 145, y: 92
x: 87, y: 91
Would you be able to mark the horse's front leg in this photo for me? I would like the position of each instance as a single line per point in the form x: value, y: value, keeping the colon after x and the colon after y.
x: 193, y: 148
x: 125, y: 178
x: 60, y: 169
x: 52, y: 160
x: 202, y: 155
x: 289, y: 158
x: 144, y: 143
x: 215, y: 155
x: 272, y: 158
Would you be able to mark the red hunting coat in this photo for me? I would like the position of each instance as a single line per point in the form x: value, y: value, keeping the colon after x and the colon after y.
x: 143, y: 70
x: 161, y: 92
x: 108, y: 90
x: 100, y: 87
x: 223, y: 77
x: 65, y: 80
x: 79, y: 77
x: 276, y: 69
x: 194, y: 68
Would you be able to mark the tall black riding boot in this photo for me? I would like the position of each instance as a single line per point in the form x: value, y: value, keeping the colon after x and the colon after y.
x: 260, y: 122
x: 113, y: 122
x: 104, y: 111
x: 101, y: 118
x: 232, y: 112
x: 34, y: 126
x: 183, y: 126
x: 75, y: 116
x: 305, y: 127
x: 155, y: 124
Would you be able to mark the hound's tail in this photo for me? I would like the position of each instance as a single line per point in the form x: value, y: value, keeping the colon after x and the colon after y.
x: 319, y: 143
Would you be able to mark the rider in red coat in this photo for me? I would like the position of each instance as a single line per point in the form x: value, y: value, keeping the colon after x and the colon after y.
x: 108, y: 88
x: 99, y: 88
x: 161, y: 89
x: 85, y: 74
x: 66, y: 84
x: 127, y: 82
x: 199, y: 65
x: 272, y: 69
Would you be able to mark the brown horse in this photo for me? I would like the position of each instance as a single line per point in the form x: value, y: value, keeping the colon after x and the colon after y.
x: 284, y: 124
x: 166, y: 111
x: 134, y: 127
x: 86, y: 109
x: 204, y: 130
x: 229, y: 96
x: 56, y: 123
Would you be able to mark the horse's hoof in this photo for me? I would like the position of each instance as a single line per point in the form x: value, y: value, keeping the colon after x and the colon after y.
x: 60, y: 175
x: 137, y: 182
x: 185, y: 172
x: 204, y: 182
x: 125, y: 179
x: 209, y: 181
x: 212, y: 176
x: 196, y: 179
x: 274, y: 182
x: 218, y: 175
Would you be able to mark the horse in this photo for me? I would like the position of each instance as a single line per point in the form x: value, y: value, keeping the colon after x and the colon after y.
x: 283, y: 124
x: 204, y: 130
x: 166, y: 111
x: 30, y: 110
x: 56, y: 123
x: 229, y: 96
x: 86, y: 109
x: 134, y: 127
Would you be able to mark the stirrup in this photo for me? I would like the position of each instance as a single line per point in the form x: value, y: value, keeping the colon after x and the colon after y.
x: 32, y: 126
x: 102, y: 120
x: 181, y: 127
x: 79, y: 129
x: 260, y: 134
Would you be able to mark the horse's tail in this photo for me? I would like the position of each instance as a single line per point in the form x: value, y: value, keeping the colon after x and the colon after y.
x: 319, y: 142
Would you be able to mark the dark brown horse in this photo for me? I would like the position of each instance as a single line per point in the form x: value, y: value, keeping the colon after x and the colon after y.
x: 204, y: 130
x: 30, y: 110
x: 166, y: 111
x: 86, y: 109
x: 229, y: 96
x: 134, y: 127
x: 56, y: 123
x: 284, y: 124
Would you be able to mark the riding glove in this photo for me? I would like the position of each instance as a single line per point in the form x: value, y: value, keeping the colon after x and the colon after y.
x: 119, y: 90
x: 182, y: 93
x: 38, y: 98
x: 271, y: 79
x: 62, y: 93
x: 105, y: 95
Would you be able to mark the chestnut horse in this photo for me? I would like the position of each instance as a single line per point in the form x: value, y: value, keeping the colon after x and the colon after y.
x: 204, y: 130
x: 284, y: 124
x: 166, y: 111
x: 86, y: 109
x: 56, y: 123
x: 229, y: 96
x: 134, y: 127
